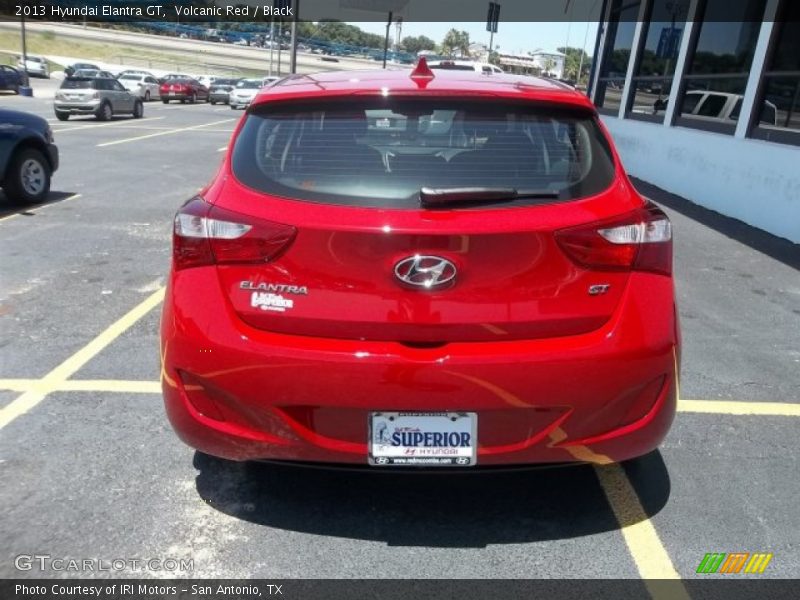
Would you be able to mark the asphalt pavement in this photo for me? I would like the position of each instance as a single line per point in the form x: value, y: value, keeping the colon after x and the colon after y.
x: 91, y: 468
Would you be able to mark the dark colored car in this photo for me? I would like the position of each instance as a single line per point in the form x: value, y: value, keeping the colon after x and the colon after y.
x: 79, y: 66
x: 28, y: 156
x: 10, y: 79
x: 185, y: 90
x: 220, y: 90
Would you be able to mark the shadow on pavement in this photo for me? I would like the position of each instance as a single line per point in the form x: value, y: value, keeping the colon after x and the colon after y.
x: 773, y: 246
x: 452, y: 509
x: 8, y: 207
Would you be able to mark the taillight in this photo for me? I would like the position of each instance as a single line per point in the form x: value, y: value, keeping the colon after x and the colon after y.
x: 640, y: 241
x: 207, y: 235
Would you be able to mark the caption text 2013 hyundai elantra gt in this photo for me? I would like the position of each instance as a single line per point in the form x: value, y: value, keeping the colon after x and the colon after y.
x: 397, y: 268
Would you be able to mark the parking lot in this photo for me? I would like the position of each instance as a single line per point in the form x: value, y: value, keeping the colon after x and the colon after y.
x: 92, y: 469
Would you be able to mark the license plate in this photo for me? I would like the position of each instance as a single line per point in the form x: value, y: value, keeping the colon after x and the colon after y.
x: 445, y: 439
x: 172, y: 93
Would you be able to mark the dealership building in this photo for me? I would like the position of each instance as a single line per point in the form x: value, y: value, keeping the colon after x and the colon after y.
x: 703, y: 100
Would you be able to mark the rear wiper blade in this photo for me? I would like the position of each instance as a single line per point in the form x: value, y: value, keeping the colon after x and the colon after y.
x: 443, y: 197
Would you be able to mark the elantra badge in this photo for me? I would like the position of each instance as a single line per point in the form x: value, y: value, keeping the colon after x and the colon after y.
x: 426, y: 272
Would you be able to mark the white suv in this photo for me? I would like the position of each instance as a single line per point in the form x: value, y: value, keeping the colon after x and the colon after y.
x: 465, y: 65
x: 722, y: 106
x: 35, y: 66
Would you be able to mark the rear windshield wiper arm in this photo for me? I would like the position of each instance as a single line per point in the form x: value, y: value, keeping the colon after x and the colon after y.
x: 444, y: 197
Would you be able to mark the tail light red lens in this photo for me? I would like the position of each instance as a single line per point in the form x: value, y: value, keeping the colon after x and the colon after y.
x: 207, y: 235
x: 640, y: 241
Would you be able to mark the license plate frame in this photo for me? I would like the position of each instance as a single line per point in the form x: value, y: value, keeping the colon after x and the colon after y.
x: 416, y: 449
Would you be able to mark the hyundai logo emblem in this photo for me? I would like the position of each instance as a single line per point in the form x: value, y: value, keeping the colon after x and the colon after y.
x: 426, y: 272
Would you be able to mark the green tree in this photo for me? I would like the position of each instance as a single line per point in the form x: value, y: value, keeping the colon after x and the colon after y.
x: 572, y: 61
x: 456, y: 42
x: 342, y: 33
x: 417, y: 44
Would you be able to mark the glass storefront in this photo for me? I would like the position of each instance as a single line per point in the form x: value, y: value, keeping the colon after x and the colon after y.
x: 718, y: 63
x: 614, y: 66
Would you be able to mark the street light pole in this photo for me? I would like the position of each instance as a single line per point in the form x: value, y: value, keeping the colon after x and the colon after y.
x: 280, y: 43
x: 25, y: 79
x: 386, y: 40
x: 271, y: 43
x: 293, y: 56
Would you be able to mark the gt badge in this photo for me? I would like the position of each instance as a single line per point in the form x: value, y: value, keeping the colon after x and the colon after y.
x: 600, y: 288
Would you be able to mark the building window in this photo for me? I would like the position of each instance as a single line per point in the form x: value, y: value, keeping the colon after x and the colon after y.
x: 652, y: 79
x: 723, y: 52
x: 779, y: 118
x: 614, y: 66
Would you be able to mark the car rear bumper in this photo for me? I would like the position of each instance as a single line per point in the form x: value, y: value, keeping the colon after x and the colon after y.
x: 88, y: 108
x: 219, y: 98
x: 245, y: 394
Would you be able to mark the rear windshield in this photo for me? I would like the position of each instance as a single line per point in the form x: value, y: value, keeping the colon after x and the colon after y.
x: 381, y: 152
x: 225, y: 81
x: 249, y: 84
x: 77, y: 84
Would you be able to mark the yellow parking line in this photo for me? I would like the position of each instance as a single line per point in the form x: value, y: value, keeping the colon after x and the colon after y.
x: 82, y: 385
x: 644, y: 545
x: 776, y: 409
x: 20, y: 385
x: 112, y: 385
x: 728, y: 407
x: 160, y: 133
x: 98, y: 125
x: 79, y: 385
x: 66, y: 369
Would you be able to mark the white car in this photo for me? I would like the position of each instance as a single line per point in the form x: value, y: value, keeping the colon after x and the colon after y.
x: 207, y: 80
x: 144, y: 86
x: 242, y: 95
x: 722, y: 106
x: 465, y: 65
x: 705, y: 105
x: 35, y: 66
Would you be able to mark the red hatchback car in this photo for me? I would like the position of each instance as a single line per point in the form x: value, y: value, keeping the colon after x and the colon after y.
x: 399, y: 269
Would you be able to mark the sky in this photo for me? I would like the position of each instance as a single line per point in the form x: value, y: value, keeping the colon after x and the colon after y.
x: 511, y: 38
